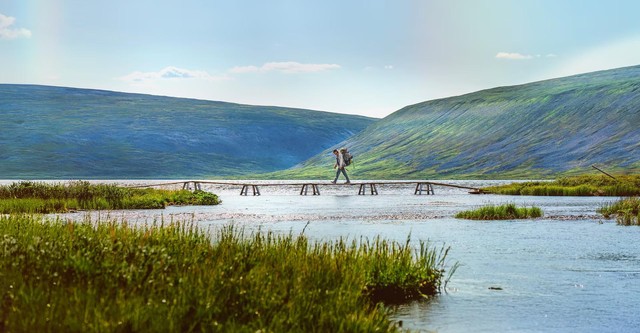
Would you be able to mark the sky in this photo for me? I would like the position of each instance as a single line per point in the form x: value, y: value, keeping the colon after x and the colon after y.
x: 368, y: 57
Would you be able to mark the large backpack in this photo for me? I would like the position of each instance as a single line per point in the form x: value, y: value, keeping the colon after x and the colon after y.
x: 346, y: 156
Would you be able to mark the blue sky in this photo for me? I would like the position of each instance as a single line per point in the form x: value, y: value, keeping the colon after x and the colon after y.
x: 359, y: 57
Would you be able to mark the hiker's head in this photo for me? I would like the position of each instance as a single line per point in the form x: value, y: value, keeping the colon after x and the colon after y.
x: 335, y: 152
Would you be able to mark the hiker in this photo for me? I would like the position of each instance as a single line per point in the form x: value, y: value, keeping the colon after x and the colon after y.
x: 340, y: 164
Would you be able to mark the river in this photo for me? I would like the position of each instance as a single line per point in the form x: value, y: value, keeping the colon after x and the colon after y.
x: 570, y: 271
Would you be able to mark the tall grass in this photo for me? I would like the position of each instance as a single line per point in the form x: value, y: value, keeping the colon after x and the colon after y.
x: 574, y: 186
x: 58, y: 276
x: 35, y: 197
x: 502, y: 212
x: 626, y: 211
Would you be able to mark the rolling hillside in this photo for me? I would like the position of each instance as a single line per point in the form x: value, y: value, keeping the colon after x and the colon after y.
x: 540, y: 129
x: 53, y: 133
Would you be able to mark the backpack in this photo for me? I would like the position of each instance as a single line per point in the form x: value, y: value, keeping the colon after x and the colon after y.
x: 346, y: 156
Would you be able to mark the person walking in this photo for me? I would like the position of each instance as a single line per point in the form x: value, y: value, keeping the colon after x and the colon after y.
x: 340, y: 164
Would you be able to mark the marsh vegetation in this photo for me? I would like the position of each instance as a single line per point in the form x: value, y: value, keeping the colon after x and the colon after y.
x: 107, y: 276
x: 626, y: 211
x: 586, y: 185
x: 39, y: 197
x: 500, y: 212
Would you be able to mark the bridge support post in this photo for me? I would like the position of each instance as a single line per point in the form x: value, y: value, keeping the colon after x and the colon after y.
x: 363, y: 190
x: 305, y: 188
x: 245, y: 190
x: 196, y: 186
x: 420, y: 188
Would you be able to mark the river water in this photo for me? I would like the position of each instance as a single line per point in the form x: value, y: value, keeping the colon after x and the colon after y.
x: 570, y: 271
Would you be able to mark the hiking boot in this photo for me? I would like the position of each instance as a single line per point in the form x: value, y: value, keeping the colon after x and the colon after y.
x: 347, y: 182
x: 333, y: 182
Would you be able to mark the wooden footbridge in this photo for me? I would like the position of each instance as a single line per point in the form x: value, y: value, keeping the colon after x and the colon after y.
x: 313, y: 188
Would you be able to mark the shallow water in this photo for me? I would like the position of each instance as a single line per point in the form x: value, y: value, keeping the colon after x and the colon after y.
x: 570, y: 271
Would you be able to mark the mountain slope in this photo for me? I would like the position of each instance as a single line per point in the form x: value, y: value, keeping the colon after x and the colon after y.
x: 538, y: 129
x: 55, y: 132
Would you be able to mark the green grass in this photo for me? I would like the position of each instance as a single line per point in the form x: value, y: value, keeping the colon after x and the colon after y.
x: 34, y: 197
x: 626, y: 211
x: 58, y: 276
x: 586, y: 185
x: 502, y: 212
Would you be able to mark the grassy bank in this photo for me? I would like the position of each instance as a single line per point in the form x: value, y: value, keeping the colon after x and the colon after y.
x: 501, y: 212
x: 626, y: 211
x: 588, y: 185
x: 60, y: 276
x: 34, y: 197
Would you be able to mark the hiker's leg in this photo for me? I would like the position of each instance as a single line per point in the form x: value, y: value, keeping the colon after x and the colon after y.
x: 337, y: 175
x: 344, y: 172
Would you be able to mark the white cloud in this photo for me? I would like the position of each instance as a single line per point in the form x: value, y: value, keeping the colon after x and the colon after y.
x: 520, y: 56
x: 170, y: 72
x: 289, y: 67
x: 8, y: 32
x: 244, y: 69
x: 513, y: 56
x: 388, y: 67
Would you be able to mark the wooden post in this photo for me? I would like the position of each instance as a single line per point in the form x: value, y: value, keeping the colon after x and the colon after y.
x: 610, y: 176
x: 305, y: 189
x: 374, y: 190
x: 244, y: 190
x: 256, y: 191
x: 420, y: 189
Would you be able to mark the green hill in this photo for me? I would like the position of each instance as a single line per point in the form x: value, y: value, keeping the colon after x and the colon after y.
x: 540, y: 129
x: 54, y: 132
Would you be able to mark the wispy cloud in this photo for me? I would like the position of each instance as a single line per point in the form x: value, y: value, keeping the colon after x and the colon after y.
x: 513, y: 56
x: 520, y: 56
x: 7, y: 31
x: 289, y: 67
x: 170, y: 73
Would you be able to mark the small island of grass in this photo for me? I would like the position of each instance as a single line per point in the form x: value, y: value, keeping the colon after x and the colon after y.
x: 502, y: 212
x: 626, y: 211
x: 43, y: 198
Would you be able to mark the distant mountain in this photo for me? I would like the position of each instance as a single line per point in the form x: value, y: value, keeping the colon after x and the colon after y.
x: 54, y: 132
x: 540, y: 129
